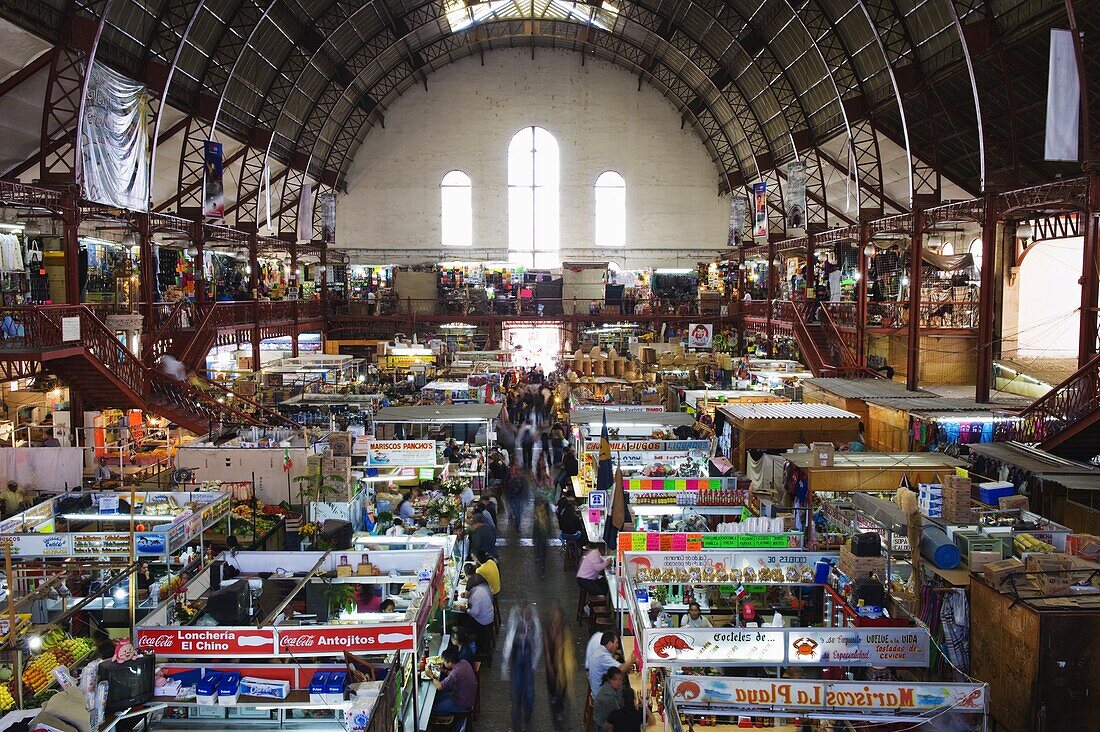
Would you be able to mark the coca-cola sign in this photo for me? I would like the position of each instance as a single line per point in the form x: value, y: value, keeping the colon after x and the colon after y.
x: 225, y: 642
x: 325, y: 640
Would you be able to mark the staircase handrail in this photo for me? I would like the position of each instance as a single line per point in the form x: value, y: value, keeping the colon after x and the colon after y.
x: 852, y: 366
x: 1065, y: 404
x: 806, y: 342
x: 169, y: 329
x: 101, y: 342
x: 273, y: 416
x: 184, y: 394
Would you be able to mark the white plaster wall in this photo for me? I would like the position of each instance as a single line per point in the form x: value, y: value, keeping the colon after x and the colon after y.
x: 1050, y: 300
x: 464, y: 121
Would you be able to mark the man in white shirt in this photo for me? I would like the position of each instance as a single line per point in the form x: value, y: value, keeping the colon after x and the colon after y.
x: 604, y: 658
x: 372, y: 301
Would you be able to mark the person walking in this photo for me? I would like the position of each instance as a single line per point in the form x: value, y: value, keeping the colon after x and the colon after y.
x: 522, y: 651
x: 561, y: 664
x: 540, y: 532
x: 515, y: 491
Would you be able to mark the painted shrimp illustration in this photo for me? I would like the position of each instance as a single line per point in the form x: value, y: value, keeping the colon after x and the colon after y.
x: 671, y: 642
x: 641, y: 562
x: 688, y: 690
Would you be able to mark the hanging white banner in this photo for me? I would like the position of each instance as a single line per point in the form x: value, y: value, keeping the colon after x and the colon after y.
x: 305, y: 213
x: 737, y: 218
x: 1063, y: 98
x: 114, y: 143
x: 796, y: 197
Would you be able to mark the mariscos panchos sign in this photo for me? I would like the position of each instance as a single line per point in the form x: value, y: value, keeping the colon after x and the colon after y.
x: 755, y: 694
x: 397, y: 453
x: 297, y: 641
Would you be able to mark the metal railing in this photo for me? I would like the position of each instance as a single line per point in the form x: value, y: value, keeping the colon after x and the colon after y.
x: 1063, y: 406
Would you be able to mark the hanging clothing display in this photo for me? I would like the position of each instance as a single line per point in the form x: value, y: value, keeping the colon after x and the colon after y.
x: 11, y: 253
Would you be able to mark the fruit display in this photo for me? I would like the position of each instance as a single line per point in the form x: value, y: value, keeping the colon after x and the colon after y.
x: 6, y: 699
x: 264, y: 517
x: 58, y: 650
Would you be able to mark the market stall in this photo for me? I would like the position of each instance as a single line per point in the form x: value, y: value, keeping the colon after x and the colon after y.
x: 851, y: 395
x: 255, y: 621
x: 933, y: 423
x: 744, y: 427
x: 271, y: 457
x: 98, y: 524
x: 872, y: 471
x: 641, y: 442
x: 790, y: 648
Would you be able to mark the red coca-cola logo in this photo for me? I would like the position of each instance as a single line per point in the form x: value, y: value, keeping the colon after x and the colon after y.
x: 297, y: 641
x: 156, y: 641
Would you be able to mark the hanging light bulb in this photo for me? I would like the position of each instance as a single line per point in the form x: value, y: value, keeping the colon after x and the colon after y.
x: 322, y: 269
x: 192, y: 252
x: 935, y: 241
x: 822, y: 257
x: 129, y: 240
x: 242, y: 253
x: 869, y: 250
x: 286, y: 261
x: 1024, y: 230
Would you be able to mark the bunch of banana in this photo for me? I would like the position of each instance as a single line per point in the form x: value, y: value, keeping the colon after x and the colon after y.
x: 53, y: 638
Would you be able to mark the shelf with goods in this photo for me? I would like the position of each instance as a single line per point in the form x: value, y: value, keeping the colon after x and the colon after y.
x: 679, y: 662
x: 267, y: 634
x: 164, y: 523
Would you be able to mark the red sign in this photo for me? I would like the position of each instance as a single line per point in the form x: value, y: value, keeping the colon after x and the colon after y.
x: 328, y: 639
x: 207, y: 641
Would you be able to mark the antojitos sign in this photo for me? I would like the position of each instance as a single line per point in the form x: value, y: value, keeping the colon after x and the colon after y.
x: 317, y: 640
x: 749, y: 694
x: 305, y: 640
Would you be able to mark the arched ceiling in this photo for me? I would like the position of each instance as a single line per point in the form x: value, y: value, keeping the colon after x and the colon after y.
x: 899, y: 100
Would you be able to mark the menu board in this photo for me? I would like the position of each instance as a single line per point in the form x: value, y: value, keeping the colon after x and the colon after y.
x: 638, y: 541
x: 888, y: 647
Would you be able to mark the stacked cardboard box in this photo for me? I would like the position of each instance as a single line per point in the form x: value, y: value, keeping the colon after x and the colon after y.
x: 861, y: 567
x: 340, y: 443
x: 1083, y: 545
x: 998, y: 574
x: 824, y: 453
x: 1055, y: 578
x: 956, y: 501
x: 930, y: 499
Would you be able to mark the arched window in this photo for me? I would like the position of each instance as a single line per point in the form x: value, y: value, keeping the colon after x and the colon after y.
x: 457, y: 210
x: 976, y: 253
x: 533, y: 199
x: 610, y: 210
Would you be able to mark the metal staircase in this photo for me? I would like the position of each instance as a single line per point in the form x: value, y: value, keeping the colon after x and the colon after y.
x: 822, y: 345
x: 1066, y: 421
x: 108, y: 375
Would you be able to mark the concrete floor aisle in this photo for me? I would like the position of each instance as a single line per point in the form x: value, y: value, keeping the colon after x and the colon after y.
x: 520, y: 579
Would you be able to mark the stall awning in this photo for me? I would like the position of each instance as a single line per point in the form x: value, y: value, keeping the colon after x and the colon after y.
x: 949, y: 404
x: 785, y: 411
x: 594, y: 415
x: 460, y: 413
x: 867, y: 388
x: 1073, y: 482
x: 1031, y: 459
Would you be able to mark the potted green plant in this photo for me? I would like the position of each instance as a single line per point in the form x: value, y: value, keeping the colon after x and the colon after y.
x: 318, y: 487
